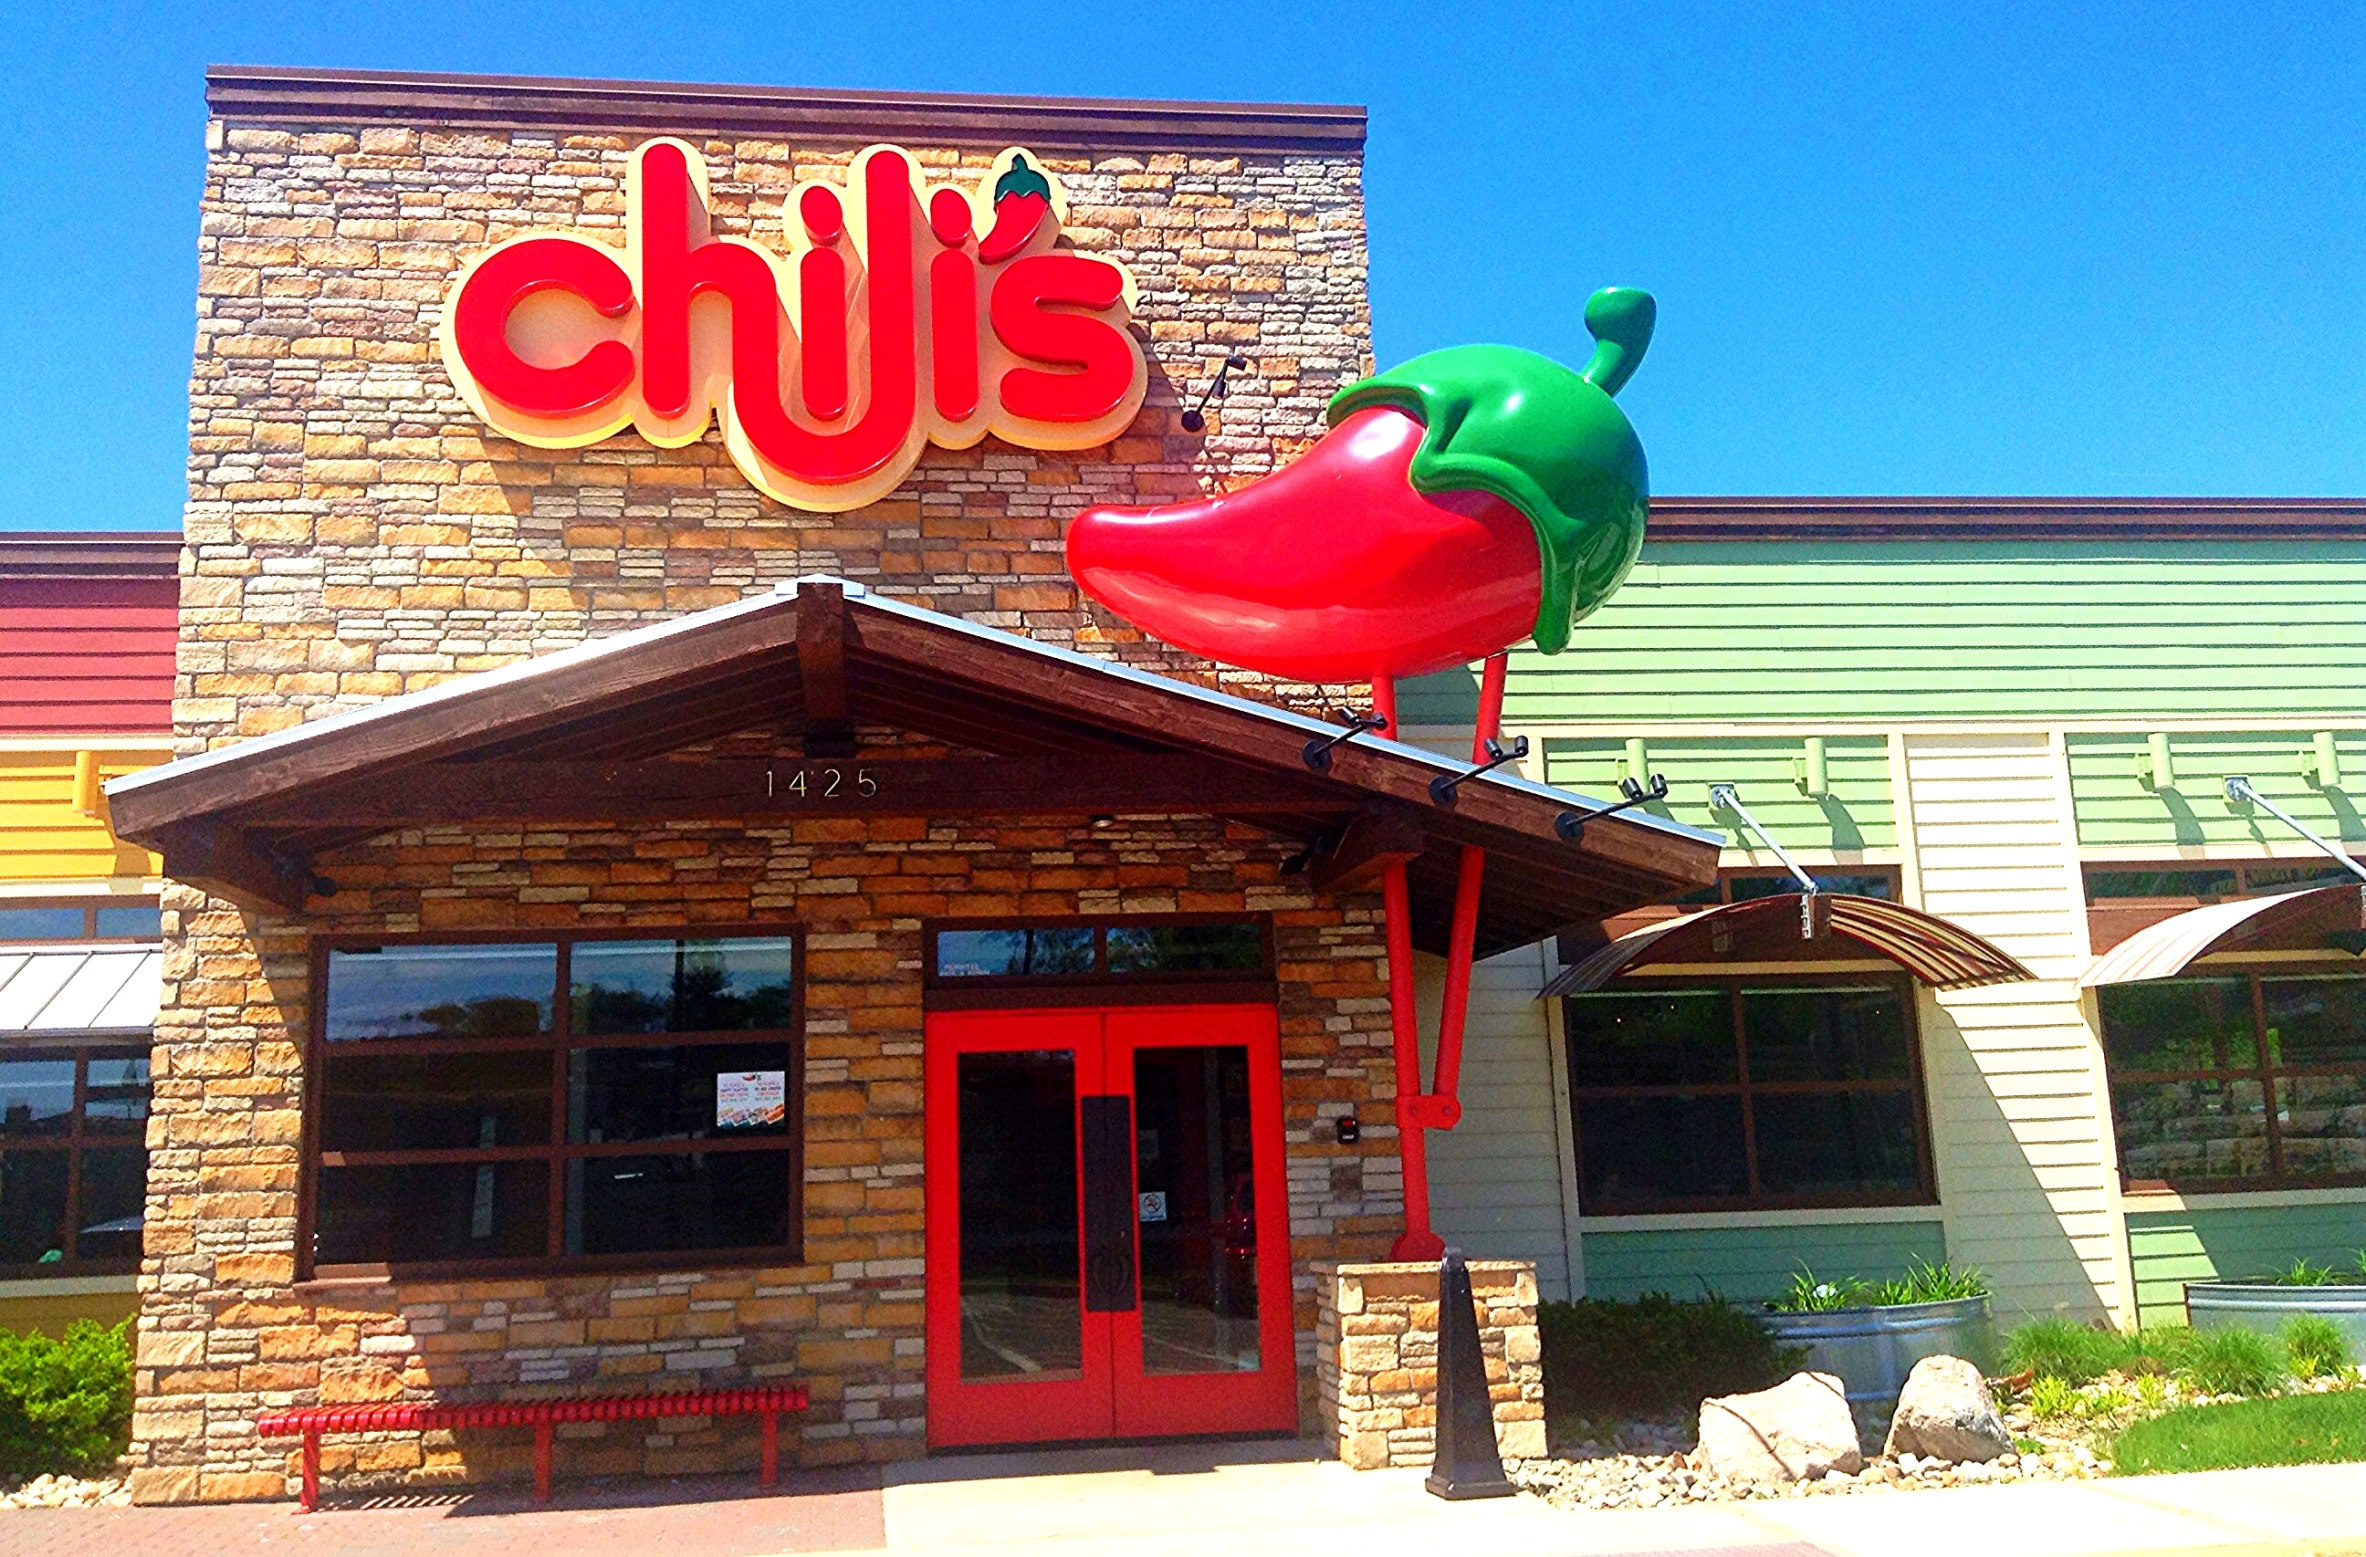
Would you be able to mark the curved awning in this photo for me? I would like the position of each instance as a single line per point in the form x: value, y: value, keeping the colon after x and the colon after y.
x: 2289, y: 921
x: 1935, y: 951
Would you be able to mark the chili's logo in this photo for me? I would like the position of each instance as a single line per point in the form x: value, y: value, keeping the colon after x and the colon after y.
x: 900, y: 316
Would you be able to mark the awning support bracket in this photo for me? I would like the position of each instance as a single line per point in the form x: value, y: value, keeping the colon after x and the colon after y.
x: 2240, y: 792
x: 1812, y: 917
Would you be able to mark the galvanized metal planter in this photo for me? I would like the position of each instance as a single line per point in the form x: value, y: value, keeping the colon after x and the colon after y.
x: 2264, y: 1306
x: 1873, y: 1349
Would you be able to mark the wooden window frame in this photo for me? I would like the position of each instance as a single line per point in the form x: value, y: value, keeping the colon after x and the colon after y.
x: 1925, y: 1192
x: 971, y: 992
x: 559, y: 1042
x: 2269, y: 1077
x: 78, y: 1138
x: 90, y: 907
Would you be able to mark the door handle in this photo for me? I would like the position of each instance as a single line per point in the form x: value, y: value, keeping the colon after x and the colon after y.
x: 1108, y: 1120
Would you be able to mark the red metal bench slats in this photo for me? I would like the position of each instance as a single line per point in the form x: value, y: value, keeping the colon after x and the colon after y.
x: 767, y: 1401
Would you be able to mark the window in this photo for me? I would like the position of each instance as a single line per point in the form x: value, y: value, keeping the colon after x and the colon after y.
x: 1020, y: 961
x: 1730, y: 1095
x: 106, y: 919
x: 1739, y: 886
x: 583, y: 1102
x: 73, y: 1160
x: 2209, y: 883
x: 2239, y: 1080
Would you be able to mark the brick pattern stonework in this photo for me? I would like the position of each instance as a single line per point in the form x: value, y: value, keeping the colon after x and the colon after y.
x: 225, y: 1333
x: 1376, y: 1360
x: 353, y: 533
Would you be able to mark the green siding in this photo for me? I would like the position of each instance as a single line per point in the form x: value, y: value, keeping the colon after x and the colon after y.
x: 2169, y: 1248
x: 1910, y: 630
x: 1747, y: 1263
x: 1856, y: 814
x: 2114, y: 807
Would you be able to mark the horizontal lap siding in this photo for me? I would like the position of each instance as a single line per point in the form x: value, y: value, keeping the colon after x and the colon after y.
x: 1857, y: 814
x: 2116, y: 808
x: 2023, y: 1159
x: 1808, y: 631
x: 1495, y: 1178
x: 42, y: 836
x: 1748, y: 1263
x: 2170, y: 1248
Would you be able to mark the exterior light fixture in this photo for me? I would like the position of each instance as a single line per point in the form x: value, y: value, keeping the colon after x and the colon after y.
x: 1196, y: 419
x: 1810, y: 773
x: 1443, y: 787
x: 1571, y: 825
x: 2154, y: 770
x: 1318, y: 752
x: 2320, y: 764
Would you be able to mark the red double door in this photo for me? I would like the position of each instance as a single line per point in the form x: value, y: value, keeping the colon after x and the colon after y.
x: 1108, y: 1240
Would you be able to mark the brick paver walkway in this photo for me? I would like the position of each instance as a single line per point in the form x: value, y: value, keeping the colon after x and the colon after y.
x: 689, y: 1517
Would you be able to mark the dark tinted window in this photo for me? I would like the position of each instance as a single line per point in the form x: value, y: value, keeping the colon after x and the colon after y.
x: 1826, y: 1033
x: 1014, y: 952
x: 495, y: 991
x: 1184, y: 948
x: 683, y: 986
x: 2177, y: 1024
x: 1657, y: 1039
x: 130, y: 922
x: 2205, y: 883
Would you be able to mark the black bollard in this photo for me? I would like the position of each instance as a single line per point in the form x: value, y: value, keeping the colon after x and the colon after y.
x: 1466, y: 1465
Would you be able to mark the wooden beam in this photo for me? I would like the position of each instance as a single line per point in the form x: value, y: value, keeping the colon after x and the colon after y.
x: 742, y: 788
x: 1369, y: 845
x: 821, y: 668
x: 227, y: 863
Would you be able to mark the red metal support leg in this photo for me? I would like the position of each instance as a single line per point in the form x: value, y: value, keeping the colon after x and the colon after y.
x: 542, y: 1462
x: 771, y: 1448
x: 1454, y: 1010
x: 309, y: 1499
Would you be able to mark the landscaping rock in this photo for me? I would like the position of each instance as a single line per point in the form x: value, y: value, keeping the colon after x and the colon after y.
x: 1796, y: 1431
x: 1947, y: 1413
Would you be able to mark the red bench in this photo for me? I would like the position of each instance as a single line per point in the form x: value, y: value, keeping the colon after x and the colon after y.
x: 541, y: 1415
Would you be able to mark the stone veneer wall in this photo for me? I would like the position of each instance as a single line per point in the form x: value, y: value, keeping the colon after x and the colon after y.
x: 226, y: 1332
x: 1376, y: 1360
x: 353, y: 533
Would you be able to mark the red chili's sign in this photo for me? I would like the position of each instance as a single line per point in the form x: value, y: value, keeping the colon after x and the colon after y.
x: 900, y: 315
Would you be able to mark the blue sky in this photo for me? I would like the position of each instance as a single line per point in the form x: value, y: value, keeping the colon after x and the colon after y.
x: 1898, y: 249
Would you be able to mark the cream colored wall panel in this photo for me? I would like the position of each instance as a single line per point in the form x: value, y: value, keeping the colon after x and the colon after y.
x: 1495, y: 1179
x: 2024, y: 1175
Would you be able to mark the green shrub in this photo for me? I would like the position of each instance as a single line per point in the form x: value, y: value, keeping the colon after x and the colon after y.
x: 2315, y: 1346
x: 2059, y: 1349
x: 1653, y: 1355
x: 65, y: 1405
x: 2233, y: 1362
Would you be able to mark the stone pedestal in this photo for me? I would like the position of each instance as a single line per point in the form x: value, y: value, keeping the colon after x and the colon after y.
x: 1376, y: 1360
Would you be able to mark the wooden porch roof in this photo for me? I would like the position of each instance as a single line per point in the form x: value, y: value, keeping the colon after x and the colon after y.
x: 591, y: 735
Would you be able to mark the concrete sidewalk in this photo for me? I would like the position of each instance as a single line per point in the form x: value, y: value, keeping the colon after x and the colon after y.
x: 1240, y: 1500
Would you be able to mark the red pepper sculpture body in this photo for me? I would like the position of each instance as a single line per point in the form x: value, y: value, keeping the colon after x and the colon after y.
x: 1470, y: 498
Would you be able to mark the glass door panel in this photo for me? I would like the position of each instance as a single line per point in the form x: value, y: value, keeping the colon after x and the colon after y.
x: 1020, y: 1316
x: 1210, y: 1348
x: 1196, y: 1202
x: 1013, y: 1354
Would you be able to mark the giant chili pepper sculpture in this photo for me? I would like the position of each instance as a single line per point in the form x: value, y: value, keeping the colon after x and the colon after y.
x: 1465, y: 500
x: 1459, y: 503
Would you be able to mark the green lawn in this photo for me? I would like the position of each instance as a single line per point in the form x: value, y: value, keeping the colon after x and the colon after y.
x: 2291, y: 1430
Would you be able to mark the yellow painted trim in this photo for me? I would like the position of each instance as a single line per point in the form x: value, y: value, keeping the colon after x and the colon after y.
x: 112, y: 886
x: 106, y: 745
x: 1688, y: 1221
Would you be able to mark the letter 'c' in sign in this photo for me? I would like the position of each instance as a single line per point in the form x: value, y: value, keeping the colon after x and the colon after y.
x: 899, y: 316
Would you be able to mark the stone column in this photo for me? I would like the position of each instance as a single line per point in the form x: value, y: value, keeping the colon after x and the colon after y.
x: 1376, y: 1360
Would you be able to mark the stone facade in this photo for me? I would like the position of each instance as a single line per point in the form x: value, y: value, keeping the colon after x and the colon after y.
x: 354, y: 533
x: 226, y: 1332
x: 1376, y: 1360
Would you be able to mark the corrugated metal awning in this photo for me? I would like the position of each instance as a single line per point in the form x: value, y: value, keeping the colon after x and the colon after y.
x: 2289, y: 921
x: 1934, y: 950
x: 79, y: 989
